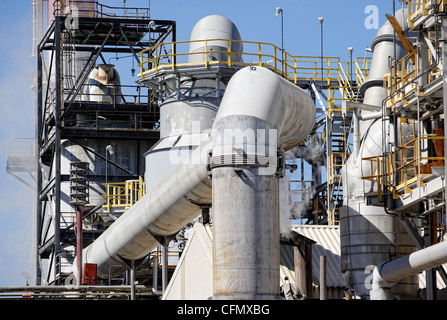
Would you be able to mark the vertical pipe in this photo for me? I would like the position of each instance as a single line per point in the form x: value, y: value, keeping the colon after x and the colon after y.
x: 38, y: 169
x: 132, y: 280
x: 259, y: 112
x: 444, y: 79
x: 164, y: 270
x: 155, y: 274
x: 430, y: 275
x: 282, y: 41
x: 323, y: 286
x: 245, y: 234
x: 57, y: 151
x: 79, y: 242
x: 320, y: 20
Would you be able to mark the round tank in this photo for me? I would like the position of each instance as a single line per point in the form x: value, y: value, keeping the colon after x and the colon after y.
x: 369, y: 234
x: 215, y: 27
x: 103, y: 85
x: 188, y: 114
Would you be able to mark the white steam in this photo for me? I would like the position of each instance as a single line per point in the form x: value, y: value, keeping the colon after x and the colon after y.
x: 294, y: 195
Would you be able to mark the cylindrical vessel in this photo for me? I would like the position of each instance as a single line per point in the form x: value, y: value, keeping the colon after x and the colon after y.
x: 191, y: 107
x: 103, y: 85
x: 220, y: 28
x: 368, y: 234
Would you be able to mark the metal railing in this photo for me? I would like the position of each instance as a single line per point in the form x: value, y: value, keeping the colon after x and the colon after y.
x: 336, y: 161
x: 98, y: 10
x: 338, y: 76
x: 174, y: 56
x: 404, y: 169
x: 23, y: 148
x: 400, y: 82
x: 111, y: 93
x: 418, y: 8
x: 123, y: 194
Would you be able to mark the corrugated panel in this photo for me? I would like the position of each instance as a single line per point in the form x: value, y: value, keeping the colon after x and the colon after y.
x: 327, y: 240
x: 328, y: 244
x: 193, y: 276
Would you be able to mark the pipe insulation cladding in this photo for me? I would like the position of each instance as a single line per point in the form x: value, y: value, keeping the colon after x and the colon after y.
x: 255, y: 99
x: 258, y: 111
x: 219, y: 29
x: 387, y: 273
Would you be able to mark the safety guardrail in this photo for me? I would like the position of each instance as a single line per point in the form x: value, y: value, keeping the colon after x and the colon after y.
x: 123, y: 194
x: 418, y: 8
x: 399, y: 83
x: 403, y: 170
x: 173, y: 56
x: 98, y: 10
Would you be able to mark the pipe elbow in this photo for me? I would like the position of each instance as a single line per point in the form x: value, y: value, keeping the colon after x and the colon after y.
x: 381, y: 289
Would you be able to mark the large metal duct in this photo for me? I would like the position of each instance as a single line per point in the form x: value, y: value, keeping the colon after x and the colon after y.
x: 186, y: 115
x: 259, y: 110
x: 387, y: 273
x: 266, y: 101
x: 368, y: 233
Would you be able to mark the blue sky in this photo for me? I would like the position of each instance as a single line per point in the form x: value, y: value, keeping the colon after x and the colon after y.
x: 344, y: 26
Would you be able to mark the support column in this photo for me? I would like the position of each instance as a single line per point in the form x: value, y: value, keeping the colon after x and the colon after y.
x: 57, y: 153
x: 79, y: 244
x: 38, y: 169
x: 323, y: 286
x: 164, y: 270
x: 444, y: 80
x: 132, y: 280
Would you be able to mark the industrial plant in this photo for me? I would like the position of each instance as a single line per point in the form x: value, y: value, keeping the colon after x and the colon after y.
x: 233, y: 169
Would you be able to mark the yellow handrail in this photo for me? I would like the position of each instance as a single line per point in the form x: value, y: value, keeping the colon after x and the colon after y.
x: 165, y: 56
x: 123, y: 194
x: 403, y: 168
x: 418, y: 8
x: 399, y: 83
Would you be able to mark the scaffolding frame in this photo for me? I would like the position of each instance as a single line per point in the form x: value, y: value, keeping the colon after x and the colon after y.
x: 58, y: 105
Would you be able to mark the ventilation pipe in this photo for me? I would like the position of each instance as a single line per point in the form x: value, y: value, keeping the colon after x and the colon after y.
x: 259, y: 109
x: 387, y: 273
x: 245, y: 205
x: 368, y: 234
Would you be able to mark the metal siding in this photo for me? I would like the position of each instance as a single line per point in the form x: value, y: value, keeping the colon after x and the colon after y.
x: 327, y: 240
x: 193, y: 278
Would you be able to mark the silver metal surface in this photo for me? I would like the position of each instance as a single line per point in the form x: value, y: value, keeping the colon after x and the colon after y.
x: 215, y: 27
x: 368, y: 234
x: 258, y: 106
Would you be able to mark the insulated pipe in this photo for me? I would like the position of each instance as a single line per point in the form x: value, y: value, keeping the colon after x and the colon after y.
x: 387, y: 273
x: 79, y: 244
x: 258, y: 111
x: 162, y: 212
x: 184, y: 116
x: 266, y: 99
